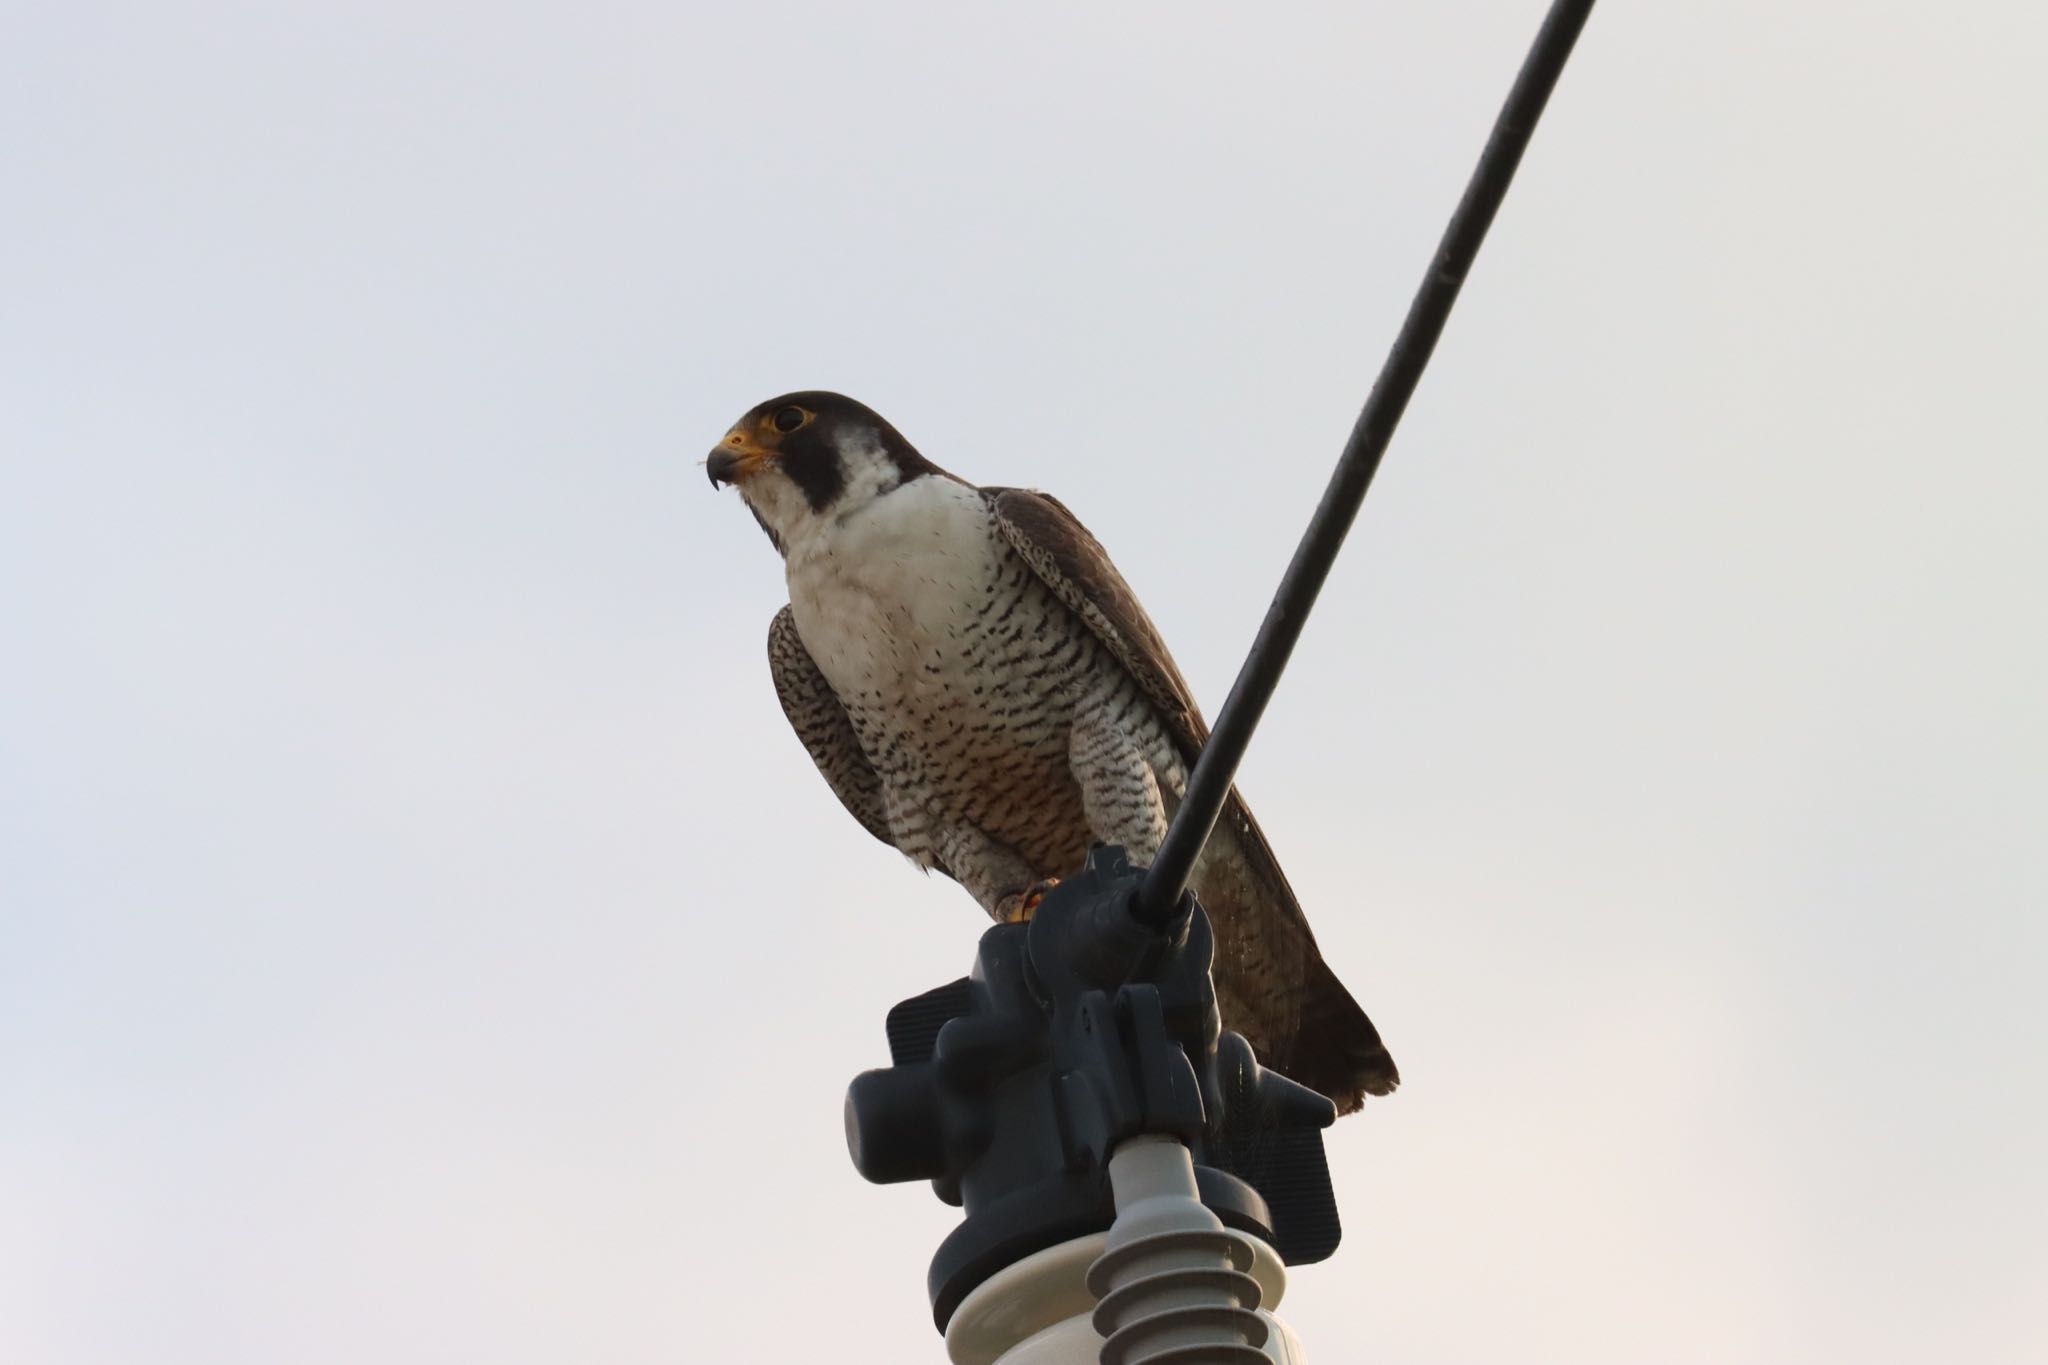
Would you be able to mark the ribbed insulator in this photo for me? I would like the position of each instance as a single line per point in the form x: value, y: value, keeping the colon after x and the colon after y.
x: 1179, y: 1298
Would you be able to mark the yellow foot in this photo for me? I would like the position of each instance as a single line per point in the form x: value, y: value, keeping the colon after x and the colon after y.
x: 1019, y: 908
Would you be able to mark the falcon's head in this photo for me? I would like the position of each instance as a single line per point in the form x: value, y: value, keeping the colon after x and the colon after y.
x: 807, y: 456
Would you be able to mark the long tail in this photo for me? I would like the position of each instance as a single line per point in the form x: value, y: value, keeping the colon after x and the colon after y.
x: 1336, y: 1049
x: 1272, y: 984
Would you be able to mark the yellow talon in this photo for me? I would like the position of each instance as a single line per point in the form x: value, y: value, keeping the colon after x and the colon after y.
x: 1027, y: 902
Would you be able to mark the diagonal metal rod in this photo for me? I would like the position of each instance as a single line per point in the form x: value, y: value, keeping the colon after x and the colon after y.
x: 1209, y: 785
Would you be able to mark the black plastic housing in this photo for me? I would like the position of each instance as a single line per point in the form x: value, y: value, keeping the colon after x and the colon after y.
x: 1012, y: 1086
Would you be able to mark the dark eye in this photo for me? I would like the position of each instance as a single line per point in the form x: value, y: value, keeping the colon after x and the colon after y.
x: 788, y: 419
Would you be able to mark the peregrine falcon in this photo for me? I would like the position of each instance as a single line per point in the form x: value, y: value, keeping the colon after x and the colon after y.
x: 983, y: 692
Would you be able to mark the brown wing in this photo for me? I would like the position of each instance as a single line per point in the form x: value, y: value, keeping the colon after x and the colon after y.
x: 821, y: 723
x: 1287, y: 1001
x: 1074, y: 565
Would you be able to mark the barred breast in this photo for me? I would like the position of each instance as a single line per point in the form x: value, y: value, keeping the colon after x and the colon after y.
x: 962, y: 674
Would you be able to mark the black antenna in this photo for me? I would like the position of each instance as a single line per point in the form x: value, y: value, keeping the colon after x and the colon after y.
x: 1209, y: 784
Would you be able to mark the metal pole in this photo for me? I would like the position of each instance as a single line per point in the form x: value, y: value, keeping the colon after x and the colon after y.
x: 1209, y: 784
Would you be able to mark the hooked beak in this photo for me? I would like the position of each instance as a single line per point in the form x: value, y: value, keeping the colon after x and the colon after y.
x: 733, y: 459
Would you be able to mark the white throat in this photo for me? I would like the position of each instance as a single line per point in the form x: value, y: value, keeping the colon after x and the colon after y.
x: 930, y: 528
x: 871, y: 589
x: 870, y: 476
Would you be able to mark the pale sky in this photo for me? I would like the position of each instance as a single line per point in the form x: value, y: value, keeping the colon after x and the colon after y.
x: 422, y: 940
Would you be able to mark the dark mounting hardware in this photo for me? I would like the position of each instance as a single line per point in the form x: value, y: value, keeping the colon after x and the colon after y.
x: 1085, y: 1027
